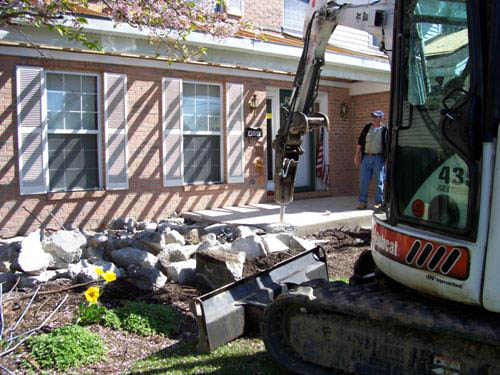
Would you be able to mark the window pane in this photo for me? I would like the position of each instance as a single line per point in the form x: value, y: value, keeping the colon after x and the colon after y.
x: 89, y: 84
x: 89, y: 142
x: 73, y: 159
x: 214, y: 108
x: 54, y: 81
x: 56, y: 160
x: 73, y: 120
x: 89, y: 102
x: 55, y: 101
x: 188, y: 106
x: 73, y: 162
x: 57, y: 181
x: 214, y: 92
x: 188, y: 90
x: 72, y: 83
x: 72, y: 102
x: 214, y: 123
x: 201, y: 123
x: 189, y: 122
x: 201, y: 107
x: 55, y: 120
x: 201, y: 158
x: 436, y: 53
x: 201, y: 91
x: 89, y: 121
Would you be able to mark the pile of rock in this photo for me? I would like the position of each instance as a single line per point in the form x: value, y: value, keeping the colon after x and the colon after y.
x: 147, y: 254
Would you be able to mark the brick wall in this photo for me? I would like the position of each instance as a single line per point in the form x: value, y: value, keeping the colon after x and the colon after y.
x: 146, y: 197
x: 264, y: 13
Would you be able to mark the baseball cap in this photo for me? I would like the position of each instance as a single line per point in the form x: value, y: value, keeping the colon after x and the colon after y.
x: 378, y: 114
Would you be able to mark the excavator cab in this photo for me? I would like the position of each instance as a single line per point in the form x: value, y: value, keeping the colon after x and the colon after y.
x: 434, y: 234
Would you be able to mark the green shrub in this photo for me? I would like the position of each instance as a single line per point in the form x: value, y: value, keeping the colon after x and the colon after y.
x: 111, y: 319
x: 67, y: 347
x: 147, y: 319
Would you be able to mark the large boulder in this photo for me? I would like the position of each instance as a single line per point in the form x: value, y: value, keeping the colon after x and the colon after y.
x: 32, y: 259
x: 64, y: 247
x: 183, y: 273
x: 216, y: 268
x: 252, y: 246
x: 146, y: 278
x: 175, y: 253
x: 129, y: 255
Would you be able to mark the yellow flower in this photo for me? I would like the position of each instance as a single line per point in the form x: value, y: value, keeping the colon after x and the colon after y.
x: 92, y: 294
x: 99, y: 270
x: 109, y: 276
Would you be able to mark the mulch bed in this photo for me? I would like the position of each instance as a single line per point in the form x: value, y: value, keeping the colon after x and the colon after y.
x: 342, y: 248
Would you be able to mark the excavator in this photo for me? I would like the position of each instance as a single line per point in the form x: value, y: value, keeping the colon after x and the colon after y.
x: 426, y: 298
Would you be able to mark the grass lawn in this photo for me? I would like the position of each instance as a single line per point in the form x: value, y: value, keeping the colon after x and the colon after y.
x: 242, y: 356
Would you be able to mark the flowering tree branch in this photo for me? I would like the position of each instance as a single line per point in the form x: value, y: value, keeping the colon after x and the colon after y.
x: 168, y: 23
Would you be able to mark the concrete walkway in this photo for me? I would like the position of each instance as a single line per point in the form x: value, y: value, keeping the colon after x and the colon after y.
x: 307, y: 215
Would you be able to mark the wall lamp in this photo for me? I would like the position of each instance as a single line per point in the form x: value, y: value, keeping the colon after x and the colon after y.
x: 253, y: 104
x: 343, y: 109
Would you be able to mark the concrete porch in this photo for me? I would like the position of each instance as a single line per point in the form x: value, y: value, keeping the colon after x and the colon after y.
x: 307, y: 215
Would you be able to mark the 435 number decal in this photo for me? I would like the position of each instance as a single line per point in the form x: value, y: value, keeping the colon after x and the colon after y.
x: 455, y: 176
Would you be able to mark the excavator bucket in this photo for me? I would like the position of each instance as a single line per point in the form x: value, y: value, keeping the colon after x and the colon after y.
x: 228, y: 312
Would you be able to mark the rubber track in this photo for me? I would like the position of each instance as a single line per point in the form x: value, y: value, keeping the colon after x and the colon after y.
x: 386, y: 302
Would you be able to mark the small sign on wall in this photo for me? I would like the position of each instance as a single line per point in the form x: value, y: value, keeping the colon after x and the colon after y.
x: 253, y: 132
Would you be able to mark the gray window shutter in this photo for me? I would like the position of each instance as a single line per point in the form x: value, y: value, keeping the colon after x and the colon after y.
x: 172, y: 132
x: 31, y: 132
x: 235, y: 149
x: 115, y: 120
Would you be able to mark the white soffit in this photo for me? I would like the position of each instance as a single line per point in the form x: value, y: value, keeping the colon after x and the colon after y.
x: 363, y: 88
x: 247, y: 53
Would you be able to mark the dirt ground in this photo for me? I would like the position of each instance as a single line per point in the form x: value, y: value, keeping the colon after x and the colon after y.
x: 341, y: 246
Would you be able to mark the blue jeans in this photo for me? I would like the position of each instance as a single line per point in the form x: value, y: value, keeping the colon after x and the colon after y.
x: 372, y: 166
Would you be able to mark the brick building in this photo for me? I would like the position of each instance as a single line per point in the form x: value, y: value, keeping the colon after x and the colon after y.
x: 86, y: 137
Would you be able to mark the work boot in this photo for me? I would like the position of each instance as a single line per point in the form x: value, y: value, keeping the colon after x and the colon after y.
x: 361, y: 206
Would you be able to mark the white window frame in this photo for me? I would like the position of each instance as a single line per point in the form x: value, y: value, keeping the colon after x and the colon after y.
x: 235, y: 10
x: 297, y: 32
x: 197, y: 132
x: 97, y: 132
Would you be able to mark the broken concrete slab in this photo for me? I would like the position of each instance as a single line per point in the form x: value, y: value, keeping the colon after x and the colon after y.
x: 32, y: 259
x: 129, y: 255
x: 301, y: 244
x: 174, y: 237
x: 146, y: 278
x: 64, y: 247
x: 216, y: 268
x: 273, y: 244
x: 183, y: 273
x: 252, y: 246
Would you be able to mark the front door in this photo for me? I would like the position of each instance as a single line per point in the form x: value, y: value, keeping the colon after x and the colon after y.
x: 304, y: 179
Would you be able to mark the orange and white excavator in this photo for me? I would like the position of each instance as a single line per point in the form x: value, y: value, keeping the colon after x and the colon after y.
x: 426, y: 298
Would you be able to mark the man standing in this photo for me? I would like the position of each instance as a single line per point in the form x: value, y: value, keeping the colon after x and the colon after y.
x: 370, y: 153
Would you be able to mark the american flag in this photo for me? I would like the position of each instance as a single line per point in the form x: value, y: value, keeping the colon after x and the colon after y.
x: 321, y: 168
